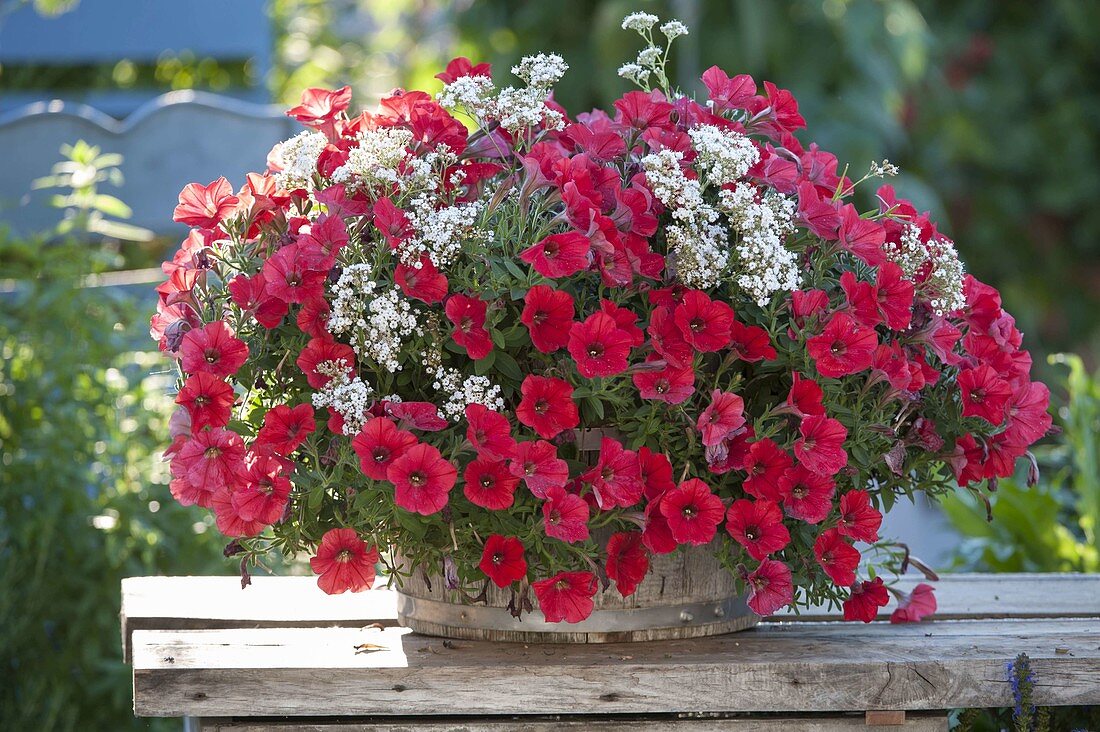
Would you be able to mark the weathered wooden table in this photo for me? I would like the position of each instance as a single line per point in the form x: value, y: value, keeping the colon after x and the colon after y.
x: 281, y: 655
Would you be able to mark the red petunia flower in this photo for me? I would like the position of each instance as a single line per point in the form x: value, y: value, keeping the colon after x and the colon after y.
x: 984, y: 394
x: 895, y: 296
x: 565, y: 516
x: 858, y: 518
x: 489, y: 484
x: 378, y: 444
x: 751, y: 342
x: 392, y: 222
x: 285, y: 428
x: 627, y: 561
x: 208, y: 399
x: 538, y: 464
x: 423, y: 416
x: 265, y: 493
x: 502, y: 560
x: 722, y: 419
x: 291, y: 275
x: 863, y: 303
x: 656, y: 472
x: 766, y: 463
x: 547, y: 406
x: 865, y: 600
x: 757, y: 526
x: 489, y: 432
x: 205, y: 206
x: 807, y: 496
x: 468, y: 316
x: 626, y: 319
x: 213, y: 349
x: 547, y: 313
x: 559, y: 255
x: 916, y: 605
x: 344, y: 562
x: 805, y: 396
x: 566, y: 596
x: 821, y: 447
x: 837, y: 557
x: 461, y: 66
x: 226, y: 518
x: 616, y: 479
x: 1028, y: 418
x: 670, y: 384
x: 667, y: 339
x: 425, y: 283
x: 320, y: 108
x: 844, y: 347
x: 422, y: 479
x: 323, y: 350
x: 770, y: 587
x: 704, y: 323
x: 693, y: 512
x: 598, y: 346
x: 212, y: 459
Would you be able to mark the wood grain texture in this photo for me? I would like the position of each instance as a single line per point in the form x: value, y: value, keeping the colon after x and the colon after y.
x: 219, y: 602
x: 789, y: 667
x: 933, y: 722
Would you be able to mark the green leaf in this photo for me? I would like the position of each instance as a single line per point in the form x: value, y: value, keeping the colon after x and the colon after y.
x: 112, y: 206
x: 508, y: 366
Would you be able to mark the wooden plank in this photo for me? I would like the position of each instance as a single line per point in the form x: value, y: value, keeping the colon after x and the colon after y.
x: 269, y: 602
x: 219, y: 602
x: 791, y: 667
x: 928, y: 722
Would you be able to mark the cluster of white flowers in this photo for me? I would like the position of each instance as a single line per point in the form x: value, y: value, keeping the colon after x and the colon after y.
x: 349, y: 395
x: 376, y: 323
x: 640, y: 22
x: 673, y: 29
x: 763, y: 264
x: 635, y: 72
x: 462, y: 392
x: 297, y: 159
x: 440, y: 232
x: 937, y: 262
x: 471, y: 93
x: 376, y: 158
x: 424, y: 171
x: 724, y: 156
x: 514, y: 108
x: 696, y: 236
x: 885, y: 169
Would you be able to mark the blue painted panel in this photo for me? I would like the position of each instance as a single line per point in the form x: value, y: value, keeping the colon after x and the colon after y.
x: 109, y: 30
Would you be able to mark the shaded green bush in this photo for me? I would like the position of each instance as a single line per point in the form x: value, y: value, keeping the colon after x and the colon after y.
x: 83, y: 496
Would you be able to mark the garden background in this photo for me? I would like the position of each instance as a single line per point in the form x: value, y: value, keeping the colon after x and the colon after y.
x: 990, y: 109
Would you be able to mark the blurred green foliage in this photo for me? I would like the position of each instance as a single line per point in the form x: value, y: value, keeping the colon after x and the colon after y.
x: 83, y: 495
x: 1051, y: 526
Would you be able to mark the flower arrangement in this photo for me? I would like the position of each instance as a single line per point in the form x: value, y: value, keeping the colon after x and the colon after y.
x: 393, y: 339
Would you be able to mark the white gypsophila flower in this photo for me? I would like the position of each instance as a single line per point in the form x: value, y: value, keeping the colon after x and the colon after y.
x: 762, y: 265
x: 541, y: 71
x: 909, y: 253
x: 377, y: 323
x: 724, y: 156
x: 422, y: 172
x: 649, y: 56
x: 440, y: 232
x: 347, y: 394
x: 936, y: 262
x: 639, y: 22
x: 297, y: 157
x: 518, y: 109
x: 673, y: 29
x: 696, y: 237
x: 472, y: 93
x: 633, y: 72
x: 376, y: 158
x: 944, y: 286
x: 462, y: 392
x: 885, y: 169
